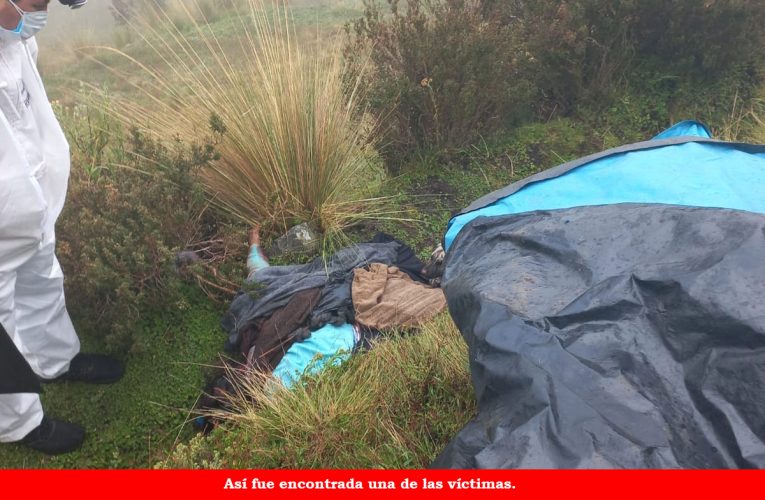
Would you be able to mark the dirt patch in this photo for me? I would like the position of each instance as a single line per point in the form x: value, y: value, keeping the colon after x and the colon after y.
x: 434, y: 186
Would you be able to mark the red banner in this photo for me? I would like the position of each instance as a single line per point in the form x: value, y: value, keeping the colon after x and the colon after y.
x: 610, y: 485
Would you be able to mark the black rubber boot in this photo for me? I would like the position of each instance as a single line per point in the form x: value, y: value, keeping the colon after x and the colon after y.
x: 55, y: 437
x: 93, y: 369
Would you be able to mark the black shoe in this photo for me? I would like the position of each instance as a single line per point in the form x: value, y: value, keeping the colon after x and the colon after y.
x: 55, y: 437
x: 93, y: 369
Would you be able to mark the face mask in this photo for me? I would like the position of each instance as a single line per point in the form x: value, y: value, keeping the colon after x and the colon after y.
x: 31, y: 22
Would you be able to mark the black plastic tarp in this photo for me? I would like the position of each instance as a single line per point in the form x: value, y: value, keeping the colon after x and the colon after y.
x: 16, y: 376
x: 612, y: 336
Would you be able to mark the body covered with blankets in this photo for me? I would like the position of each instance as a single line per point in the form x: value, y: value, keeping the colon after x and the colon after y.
x: 292, y: 320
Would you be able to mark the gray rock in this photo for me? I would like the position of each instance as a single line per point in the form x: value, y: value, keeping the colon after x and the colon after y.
x: 299, y: 238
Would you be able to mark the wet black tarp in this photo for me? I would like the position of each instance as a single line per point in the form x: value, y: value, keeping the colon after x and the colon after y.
x: 612, y: 336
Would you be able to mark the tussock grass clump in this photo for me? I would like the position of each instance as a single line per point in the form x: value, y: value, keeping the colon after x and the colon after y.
x: 396, y: 406
x: 284, y: 116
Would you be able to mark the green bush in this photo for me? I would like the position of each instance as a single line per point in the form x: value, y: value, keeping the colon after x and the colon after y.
x: 444, y: 71
x: 448, y: 71
x: 578, y: 52
x: 123, y: 225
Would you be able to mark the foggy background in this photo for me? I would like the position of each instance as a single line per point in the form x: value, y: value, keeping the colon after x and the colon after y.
x: 67, y: 26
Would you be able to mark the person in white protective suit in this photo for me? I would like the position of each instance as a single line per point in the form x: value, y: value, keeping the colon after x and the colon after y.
x: 34, y: 171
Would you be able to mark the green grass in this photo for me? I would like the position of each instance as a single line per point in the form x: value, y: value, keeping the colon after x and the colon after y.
x: 135, y: 422
x: 436, y: 185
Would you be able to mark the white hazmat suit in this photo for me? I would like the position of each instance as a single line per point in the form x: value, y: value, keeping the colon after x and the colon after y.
x: 34, y: 172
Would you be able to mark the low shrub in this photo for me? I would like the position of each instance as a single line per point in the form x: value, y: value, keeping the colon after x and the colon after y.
x: 580, y: 51
x: 444, y: 71
x: 132, y: 205
x: 449, y: 71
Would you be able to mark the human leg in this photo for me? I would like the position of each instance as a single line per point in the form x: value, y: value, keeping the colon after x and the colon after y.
x: 29, y: 317
x: 44, y: 332
x: 19, y: 413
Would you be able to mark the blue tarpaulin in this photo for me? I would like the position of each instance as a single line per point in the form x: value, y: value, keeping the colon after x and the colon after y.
x: 682, y: 166
x: 613, y: 311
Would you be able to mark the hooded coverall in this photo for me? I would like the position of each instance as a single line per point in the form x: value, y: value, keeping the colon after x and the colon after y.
x: 34, y: 172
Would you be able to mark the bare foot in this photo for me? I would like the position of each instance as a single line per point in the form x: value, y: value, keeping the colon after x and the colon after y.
x: 255, y: 235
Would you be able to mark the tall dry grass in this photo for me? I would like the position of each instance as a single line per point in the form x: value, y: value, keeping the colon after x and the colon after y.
x: 283, y: 115
x: 753, y: 127
x: 746, y: 120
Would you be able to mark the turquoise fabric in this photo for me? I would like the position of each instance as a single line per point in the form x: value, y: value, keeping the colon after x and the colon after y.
x: 255, y: 260
x: 686, y: 128
x: 309, y: 357
x: 718, y: 175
